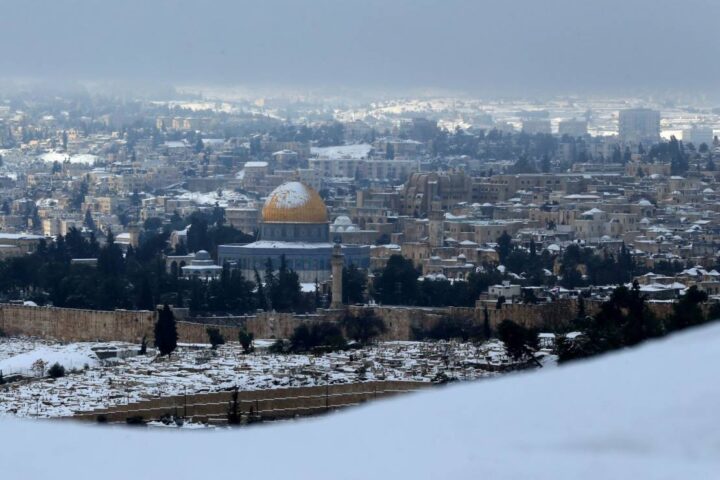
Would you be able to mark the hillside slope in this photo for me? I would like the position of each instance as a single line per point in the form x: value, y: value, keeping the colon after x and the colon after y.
x: 647, y: 413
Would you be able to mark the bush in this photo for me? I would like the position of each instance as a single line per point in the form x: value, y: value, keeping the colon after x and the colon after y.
x: 451, y: 328
x: 56, y: 370
x: 246, y: 341
x: 365, y: 327
x: 135, y: 420
x: 280, y: 346
x: 519, y: 341
x: 324, y: 336
x: 568, y: 349
x: 216, y: 338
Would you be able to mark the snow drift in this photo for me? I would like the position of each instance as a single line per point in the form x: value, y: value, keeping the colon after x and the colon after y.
x: 648, y: 413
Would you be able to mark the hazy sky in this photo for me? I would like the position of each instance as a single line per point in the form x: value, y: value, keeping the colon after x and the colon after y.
x: 477, y: 45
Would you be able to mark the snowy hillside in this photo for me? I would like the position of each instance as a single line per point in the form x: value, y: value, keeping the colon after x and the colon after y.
x: 649, y: 413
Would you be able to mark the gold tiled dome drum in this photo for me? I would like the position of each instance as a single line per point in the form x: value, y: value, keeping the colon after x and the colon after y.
x: 294, y: 202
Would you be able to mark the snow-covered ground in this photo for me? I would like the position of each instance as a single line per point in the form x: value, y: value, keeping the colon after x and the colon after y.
x: 646, y: 413
x: 73, y: 356
x: 196, y: 369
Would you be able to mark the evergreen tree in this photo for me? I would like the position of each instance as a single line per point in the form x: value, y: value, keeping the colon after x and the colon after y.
x: 110, y: 260
x: 89, y: 223
x: 504, y: 246
x: 145, y: 300
x: 519, y: 341
x: 246, y: 340
x: 166, y: 331
x: 487, y: 332
x: 215, y: 337
x: 545, y: 164
x: 687, y: 311
x: 398, y: 282
x: 354, y: 284
x: 285, y: 290
x: 364, y: 327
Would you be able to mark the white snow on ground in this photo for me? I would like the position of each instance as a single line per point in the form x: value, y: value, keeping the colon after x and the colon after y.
x: 358, y: 151
x: 73, y: 356
x: 647, y: 413
x: 196, y: 369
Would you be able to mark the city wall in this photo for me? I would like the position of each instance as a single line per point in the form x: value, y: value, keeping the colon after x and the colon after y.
x: 78, y: 325
x: 71, y: 325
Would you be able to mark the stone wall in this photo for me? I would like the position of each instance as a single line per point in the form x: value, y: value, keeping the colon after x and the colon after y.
x: 76, y: 325
x: 262, y: 325
x: 69, y: 324
x: 402, y: 321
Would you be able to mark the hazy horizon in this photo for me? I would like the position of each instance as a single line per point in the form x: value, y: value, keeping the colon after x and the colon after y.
x: 521, y: 47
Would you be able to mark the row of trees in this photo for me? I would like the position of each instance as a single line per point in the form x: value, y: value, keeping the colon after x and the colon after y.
x: 398, y: 284
x: 138, y: 279
x: 625, y: 320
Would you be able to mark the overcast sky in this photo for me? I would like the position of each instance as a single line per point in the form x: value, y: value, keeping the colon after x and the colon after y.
x: 477, y: 45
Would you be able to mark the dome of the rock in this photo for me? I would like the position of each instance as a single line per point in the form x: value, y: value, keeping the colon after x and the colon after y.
x: 294, y: 202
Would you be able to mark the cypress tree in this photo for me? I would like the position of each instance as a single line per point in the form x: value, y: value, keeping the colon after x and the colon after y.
x: 166, y: 331
x: 487, y: 333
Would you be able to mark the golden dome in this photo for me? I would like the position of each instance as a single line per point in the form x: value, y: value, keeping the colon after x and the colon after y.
x: 294, y: 202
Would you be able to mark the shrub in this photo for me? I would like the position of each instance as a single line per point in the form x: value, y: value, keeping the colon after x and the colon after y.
x: 365, y: 327
x: 216, y: 338
x: 451, y: 328
x: 280, y: 346
x: 135, y: 420
x: 246, y: 341
x: 56, y: 370
x: 519, y: 341
x: 324, y: 336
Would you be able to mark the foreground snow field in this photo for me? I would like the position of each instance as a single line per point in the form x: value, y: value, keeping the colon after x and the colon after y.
x: 648, y: 413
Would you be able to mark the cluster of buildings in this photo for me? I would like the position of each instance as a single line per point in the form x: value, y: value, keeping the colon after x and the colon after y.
x: 381, y: 187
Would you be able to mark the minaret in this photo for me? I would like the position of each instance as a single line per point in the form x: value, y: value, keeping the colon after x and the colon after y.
x: 337, y: 261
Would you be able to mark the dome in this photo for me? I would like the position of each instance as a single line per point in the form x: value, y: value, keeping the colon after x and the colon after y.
x: 294, y: 202
x: 342, y: 220
x: 202, y: 255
